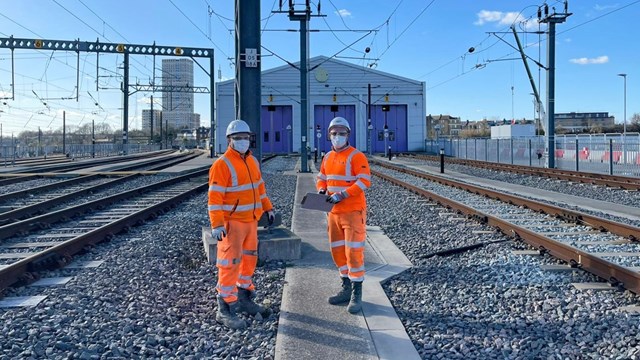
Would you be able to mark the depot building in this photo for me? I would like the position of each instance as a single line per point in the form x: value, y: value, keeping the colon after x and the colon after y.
x: 336, y: 88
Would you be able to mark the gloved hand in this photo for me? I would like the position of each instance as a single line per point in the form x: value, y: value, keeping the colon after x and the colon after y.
x: 271, y: 216
x: 322, y: 191
x: 336, y: 198
x: 218, y: 233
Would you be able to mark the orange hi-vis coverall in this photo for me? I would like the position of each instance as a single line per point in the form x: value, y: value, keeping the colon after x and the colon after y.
x: 237, y: 199
x: 347, y: 171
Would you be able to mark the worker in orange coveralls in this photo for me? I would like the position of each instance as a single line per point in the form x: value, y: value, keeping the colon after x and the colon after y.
x: 344, y: 176
x: 237, y: 200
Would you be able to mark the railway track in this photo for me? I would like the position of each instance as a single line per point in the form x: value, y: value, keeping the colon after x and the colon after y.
x: 20, y: 205
x: 623, y: 182
x: 605, y: 248
x: 33, y: 172
x: 50, y: 240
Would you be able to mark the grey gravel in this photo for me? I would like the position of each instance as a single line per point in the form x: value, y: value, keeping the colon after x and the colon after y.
x: 154, y: 297
x: 488, y: 303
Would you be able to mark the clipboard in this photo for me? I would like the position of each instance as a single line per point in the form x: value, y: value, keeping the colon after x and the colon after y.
x: 314, y: 201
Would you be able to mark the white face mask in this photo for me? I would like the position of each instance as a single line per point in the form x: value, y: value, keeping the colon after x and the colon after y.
x: 240, y: 146
x: 338, y: 141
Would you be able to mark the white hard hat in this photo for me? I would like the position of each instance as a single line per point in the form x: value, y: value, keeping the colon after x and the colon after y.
x: 238, y: 126
x: 339, y: 121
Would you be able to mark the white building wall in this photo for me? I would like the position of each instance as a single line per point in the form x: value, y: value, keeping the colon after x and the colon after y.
x: 348, y: 82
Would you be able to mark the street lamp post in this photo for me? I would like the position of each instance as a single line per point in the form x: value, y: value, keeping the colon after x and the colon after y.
x: 624, y: 123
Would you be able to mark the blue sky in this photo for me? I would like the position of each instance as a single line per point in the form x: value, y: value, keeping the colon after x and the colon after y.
x: 418, y: 39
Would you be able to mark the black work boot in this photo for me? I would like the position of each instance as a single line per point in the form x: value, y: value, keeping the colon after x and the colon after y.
x: 226, y: 315
x: 355, y: 304
x: 245, y: 300
x: 343, y: 295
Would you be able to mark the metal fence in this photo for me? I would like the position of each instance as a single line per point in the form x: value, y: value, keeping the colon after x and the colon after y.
x: 614, y: 154
x: 10, y: 153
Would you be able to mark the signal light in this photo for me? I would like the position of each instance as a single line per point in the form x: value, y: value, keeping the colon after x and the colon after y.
x: 178, y: 51
x: 37, y: 44
x: 120, y: 48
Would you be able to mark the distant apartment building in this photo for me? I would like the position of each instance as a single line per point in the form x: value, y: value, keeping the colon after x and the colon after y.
x: 146, y: 120
x: 577, y: 122
x: 177, y: 106
x: 443, y: 126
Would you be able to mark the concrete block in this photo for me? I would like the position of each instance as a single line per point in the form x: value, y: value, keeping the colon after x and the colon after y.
x: 277, y: 243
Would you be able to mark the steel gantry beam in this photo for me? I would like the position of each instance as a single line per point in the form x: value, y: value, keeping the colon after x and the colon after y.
x: 125, y: 50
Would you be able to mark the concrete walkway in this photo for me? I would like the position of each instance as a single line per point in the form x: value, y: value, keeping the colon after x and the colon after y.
x: 310, y: 328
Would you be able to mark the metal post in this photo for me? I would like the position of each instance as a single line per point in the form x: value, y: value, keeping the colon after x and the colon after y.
x: 511, y: 149
x: 369, y: 126
x: 248, y: 64
x: 386, y: 136
x: 551, y: 20
x: 125, y: 109
x: 530, y: 152
x: 213, y: 122
x: 498, y: 151
x: 624, y: 120
x: 610, y: 156
x: 93, y: 138
x: 577, y: 156
x: 475, y: 149
x: 64, y: 132
x: 441, y: 160
x: 151, y: 122
x: 486, y: 149
x: 39, y: 142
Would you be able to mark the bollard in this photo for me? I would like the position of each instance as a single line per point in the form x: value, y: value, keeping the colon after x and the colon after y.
x: 442, y: 161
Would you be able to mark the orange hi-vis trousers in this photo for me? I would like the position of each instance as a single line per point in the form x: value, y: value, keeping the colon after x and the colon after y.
x: 237, y: 259
x: 347, y: 233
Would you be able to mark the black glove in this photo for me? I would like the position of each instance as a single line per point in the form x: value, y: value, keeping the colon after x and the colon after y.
x: 218, y: 233
x: 322, y: 191
x: 271, y: 217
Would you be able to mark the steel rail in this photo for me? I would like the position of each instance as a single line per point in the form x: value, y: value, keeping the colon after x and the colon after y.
x: 39, y: 222
x: 624, y: 182
x: 43, y: 206
x: 60, y: 255
x: 73, y: 165
x: 617, y: 275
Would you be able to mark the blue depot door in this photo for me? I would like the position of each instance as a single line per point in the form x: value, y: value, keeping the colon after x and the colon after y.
x: 323, y: 114
x: 276, y: 129
x: 395, y: 117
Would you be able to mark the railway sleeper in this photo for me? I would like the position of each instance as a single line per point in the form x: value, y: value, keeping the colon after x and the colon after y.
x: 48, y: 262
x: 26, y: 279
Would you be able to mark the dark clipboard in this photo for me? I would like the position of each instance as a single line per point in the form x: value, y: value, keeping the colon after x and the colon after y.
x: 313, y: 201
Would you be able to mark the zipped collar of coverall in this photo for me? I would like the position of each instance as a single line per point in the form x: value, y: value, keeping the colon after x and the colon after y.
x: 244, y: 159
x: 346, y: 146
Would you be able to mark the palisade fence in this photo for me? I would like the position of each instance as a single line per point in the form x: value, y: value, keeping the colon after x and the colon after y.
x: 9, y: 153
x: 614, y: 154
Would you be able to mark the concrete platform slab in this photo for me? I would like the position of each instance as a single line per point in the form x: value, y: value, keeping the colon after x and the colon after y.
x: 310, y: 328
x: 274, y: 244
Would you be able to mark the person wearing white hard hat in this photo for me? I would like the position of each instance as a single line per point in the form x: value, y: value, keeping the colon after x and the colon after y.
x: 344, y: 175
x: 237, y: 199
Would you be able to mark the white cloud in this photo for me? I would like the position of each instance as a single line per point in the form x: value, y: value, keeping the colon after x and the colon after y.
x: 485, y: 16
x: 343, y: 13
x: 604, y: 7
x: 586, y: 61
x: 505, y: 19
